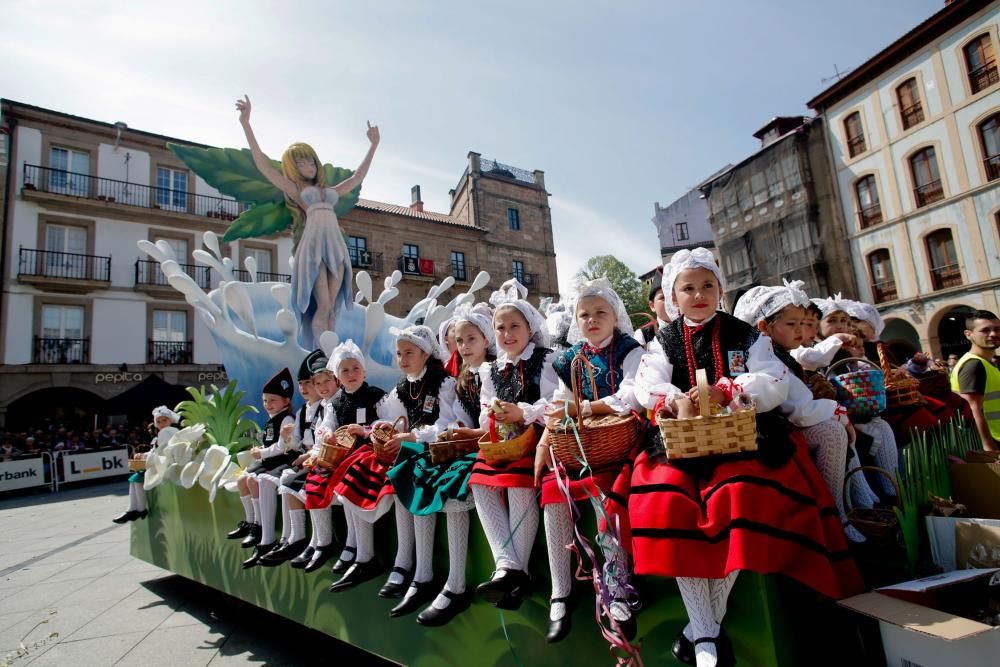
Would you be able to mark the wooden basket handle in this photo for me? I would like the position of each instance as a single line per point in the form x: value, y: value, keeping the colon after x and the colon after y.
x: 578, y: 361
x: 883, y: 472
x: 883, y: 359
x: 702, y: 378
x: 829, y: 371
x: 405, y: 425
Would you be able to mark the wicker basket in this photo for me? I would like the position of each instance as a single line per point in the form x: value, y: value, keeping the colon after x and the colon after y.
x: 901, y: 390
x: 935, y: 384
x: 381, y: 435
x: 450, y: 447
x: 136, y: 465
x: 606, y: 440
x: 708, y: 434
x: 496, y: 451
x: 335, y: 448
x: 820, y: 386
x: 862, y: 393
x: 880, y: 525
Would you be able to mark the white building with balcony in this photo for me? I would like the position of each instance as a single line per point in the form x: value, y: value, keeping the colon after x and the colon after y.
x: 914, y: 138
x: 85, y: 316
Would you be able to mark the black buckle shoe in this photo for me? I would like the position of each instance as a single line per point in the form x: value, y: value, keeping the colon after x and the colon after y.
x: 433, y: 617
x: 302, y: 559
x: 242, y: 530
x: 253, y: 537
x: 390, y: 590
x: 130, y: 515
x: 507, y: 591
x: 558, y: 630
x: 683, y: 649
x: 319, y: 557
x: 341, y: 565
x: 357, y: 574
x: 283, y: 553
x: 725, y: 655
x: 259, y: 552
x: 417, y: 595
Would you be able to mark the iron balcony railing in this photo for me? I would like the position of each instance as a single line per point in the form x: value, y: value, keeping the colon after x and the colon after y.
x: 885, y: 291
x: 60, y: 350
x: 170, y: 352
x: 63, y: 265
x: 928, y: 193
x: 992, y: 167
x: 946, y: 276
x: 912, y: 115
x: 148, y: 272
x: 412, y: 266
x: 983, y: 77
x: 462, y: 271
x: 870, y: 215
x: 366, y: 259
x: 263, y: 277
x: 526, y: 279
x: 73, y: 184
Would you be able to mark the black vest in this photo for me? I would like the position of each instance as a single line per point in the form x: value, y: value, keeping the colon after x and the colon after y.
x: 648, y: 332
x: 734, y: 336
x: 468, y: 395
x: 421, y: 398
x: 307, y: 425
x: 507, y: 380
x: 272, y: 428
x: 346, y: 405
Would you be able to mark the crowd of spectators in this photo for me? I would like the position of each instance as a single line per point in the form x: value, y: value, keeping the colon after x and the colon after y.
x: 58, y: 438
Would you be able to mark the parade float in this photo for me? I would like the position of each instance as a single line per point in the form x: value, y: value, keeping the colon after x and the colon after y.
x: 260, y: 327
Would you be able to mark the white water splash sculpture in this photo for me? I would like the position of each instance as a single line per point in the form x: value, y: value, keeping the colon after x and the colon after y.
x: 256, y: 330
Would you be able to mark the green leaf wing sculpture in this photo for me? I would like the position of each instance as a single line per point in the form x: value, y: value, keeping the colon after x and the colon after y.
x: 259, y: 220
x: 335, y: 175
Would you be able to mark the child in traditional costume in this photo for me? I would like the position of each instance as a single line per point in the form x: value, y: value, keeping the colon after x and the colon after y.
x: 164, y: 419
x: 354, y: 408
x: 260, y: 501
x: 293, y: 542
x: 601, y: 332
x: 424, y: 488
x: 704, y: 520
x: 880, y: 440
x: 778, y: 312
x: 521, y: 381
x: 646, y: 334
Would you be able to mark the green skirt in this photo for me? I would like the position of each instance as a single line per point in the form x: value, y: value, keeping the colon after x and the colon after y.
x: 423, y: 487
x: 137, y: 477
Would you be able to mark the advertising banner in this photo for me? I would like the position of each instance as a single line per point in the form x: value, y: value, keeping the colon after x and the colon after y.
x: 90, y: 465
x: 21, y: 474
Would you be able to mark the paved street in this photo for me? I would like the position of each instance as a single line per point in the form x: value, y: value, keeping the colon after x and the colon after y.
x: 70, y: 593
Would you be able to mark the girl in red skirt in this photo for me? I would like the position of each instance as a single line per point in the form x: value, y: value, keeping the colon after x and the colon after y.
x: 602, y: 332
x: 523, y: 380
x: 704, y: 520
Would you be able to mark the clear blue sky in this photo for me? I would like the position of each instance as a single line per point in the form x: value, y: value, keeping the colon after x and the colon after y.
x: 620, y: 103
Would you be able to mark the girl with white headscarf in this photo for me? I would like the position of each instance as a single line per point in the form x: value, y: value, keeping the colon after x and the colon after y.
x: 600, y: 331
x: 778, y: 313
x: 703, y: 520
x: 164, y: 419
x: 523, y: 380
x: 425, y: 488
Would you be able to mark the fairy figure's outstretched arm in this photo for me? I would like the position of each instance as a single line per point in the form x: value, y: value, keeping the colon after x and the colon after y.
x: 359, y: 174
x: 261, y: 161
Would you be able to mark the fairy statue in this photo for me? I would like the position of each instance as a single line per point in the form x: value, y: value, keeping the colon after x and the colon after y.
x: 299, y: 192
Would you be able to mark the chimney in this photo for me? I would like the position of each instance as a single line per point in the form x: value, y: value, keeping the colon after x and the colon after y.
x: 415, y: 202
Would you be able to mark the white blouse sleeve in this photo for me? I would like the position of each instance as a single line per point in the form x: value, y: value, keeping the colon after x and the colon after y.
x: 767, y: 379
x: 653, y: 380
x: 819, y: 355
x: 487, y: 392
x: 535, y: 412
x: 326, y: 427
x: 390, y: 408
x: 624, y: 399
x: 446, y: 413
x: 802, y: 409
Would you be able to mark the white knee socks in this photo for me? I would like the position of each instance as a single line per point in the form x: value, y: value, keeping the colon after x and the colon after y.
x: 496, y: 525
x: 256, y: 509
x: 697, y: 597
x: 365, y: 533
x: 887, y: 456
x: 424, y: 532
x: 286, y: 524
x: 297, y: 527
x: 322, y: 529
x: 248, y: 510
x: 558, y: 536
x: 133, y: 503
x: 523, y: 522
x: 268, y: 506
x: 404, y: 542
x: 828, y: 440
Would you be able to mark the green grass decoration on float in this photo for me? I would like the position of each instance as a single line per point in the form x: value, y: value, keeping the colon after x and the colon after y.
x: 223, y: 416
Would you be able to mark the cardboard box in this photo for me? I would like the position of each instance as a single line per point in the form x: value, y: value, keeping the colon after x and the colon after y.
x: 977, y: 486
x: 941, y: 535
x: 917, y: 632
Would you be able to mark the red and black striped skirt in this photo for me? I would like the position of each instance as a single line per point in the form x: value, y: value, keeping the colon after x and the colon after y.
x: 365, y: 480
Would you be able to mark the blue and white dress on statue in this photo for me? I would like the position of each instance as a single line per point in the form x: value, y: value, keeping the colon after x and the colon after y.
x: 321, y: 243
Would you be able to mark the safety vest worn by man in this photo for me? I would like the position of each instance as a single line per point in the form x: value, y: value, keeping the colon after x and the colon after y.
x: 991, y: 395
